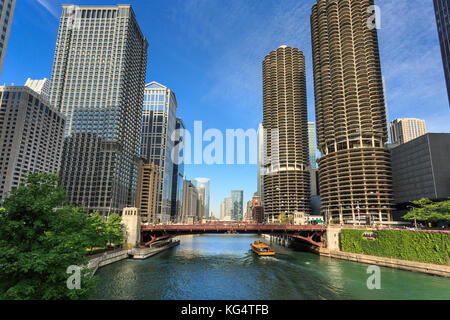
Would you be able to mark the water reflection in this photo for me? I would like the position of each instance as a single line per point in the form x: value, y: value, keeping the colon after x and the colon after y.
x: 223, y: 267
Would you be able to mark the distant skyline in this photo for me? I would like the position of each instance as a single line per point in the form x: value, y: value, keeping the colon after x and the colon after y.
x: 210, y: 54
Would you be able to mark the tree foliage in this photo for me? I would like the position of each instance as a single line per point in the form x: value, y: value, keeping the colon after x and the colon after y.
x: 284, y: 218
x: 40, y: 237
x: 427, y: 210
x: 114, y: 230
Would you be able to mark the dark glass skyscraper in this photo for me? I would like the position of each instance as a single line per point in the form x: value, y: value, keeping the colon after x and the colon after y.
x: 442, y: 9
x: 158, y: 124
x: 177, y: 180
x: 98, y: 82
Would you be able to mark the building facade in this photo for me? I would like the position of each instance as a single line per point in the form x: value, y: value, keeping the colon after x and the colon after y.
x: 147, y: 191
x: 258, y: 211
x: 6, y: 17
x: 237, y: 205
x: 260, y: 164
x: 40, y: 86
x: 312, y: 145
x: 201, y: 193
x: 98, y: 82
x: 177, y: 178
x: 31, y: 136
x: 158, y: 124
x: 205, y: 183
x: 442, y: 10
x: 421, y: 168
x: 189, y: 210
x: 285, y: 122
x: 355, y: 167
x: 407, y: 129
x: 226, y: 209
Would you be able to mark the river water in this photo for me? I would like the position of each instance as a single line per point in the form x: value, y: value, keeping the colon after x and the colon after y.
x: 222, y: 267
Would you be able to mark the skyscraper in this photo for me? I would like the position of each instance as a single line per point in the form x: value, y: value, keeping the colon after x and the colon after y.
x: 147, y: 191
x: 40, y: 86
x: 189, y: 212
x: 98, y: 82
x: 158, y: 124
x: 355, y: 168
x: 407, y: 129
x: 205, y: 182
x: 31, y: 136
x: 237, y: 205
x: 177, y: 178
x: 6, y: 17
x: 312, y: 144
x: 286, y: 178
x: 225, y: 209
x: 260, y: 173
x: 442, y: 10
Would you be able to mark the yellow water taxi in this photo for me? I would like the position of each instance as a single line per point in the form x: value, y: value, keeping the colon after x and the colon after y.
x: 262, y: 249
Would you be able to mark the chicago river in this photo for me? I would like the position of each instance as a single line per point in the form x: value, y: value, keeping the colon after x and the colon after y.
x: 222, y: 267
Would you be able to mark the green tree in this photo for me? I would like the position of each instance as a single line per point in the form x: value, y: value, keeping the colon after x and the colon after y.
x: 427, y: 210
x: 97, y: 232
x: 114, y: 230
x: 284, y: 218
x: 39, y: 242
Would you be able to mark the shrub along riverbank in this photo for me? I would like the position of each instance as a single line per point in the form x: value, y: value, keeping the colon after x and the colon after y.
x: 427, y: 247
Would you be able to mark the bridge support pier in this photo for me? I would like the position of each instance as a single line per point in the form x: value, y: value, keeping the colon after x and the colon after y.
x: 131, y: 218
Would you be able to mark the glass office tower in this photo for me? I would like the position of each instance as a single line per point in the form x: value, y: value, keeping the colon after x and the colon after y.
x: 237, y: 205
x: 6, y: 17
x: 442, y: 10
x: 158, y: 124
x: 98, y: 82
x: 177, y: 179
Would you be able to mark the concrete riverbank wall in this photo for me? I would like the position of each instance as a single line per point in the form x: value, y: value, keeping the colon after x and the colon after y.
x: 134, y: 253
x: 144, y: 253
x: 428, y: 268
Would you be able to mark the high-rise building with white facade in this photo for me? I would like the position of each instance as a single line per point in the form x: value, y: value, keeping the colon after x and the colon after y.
x: 31, y: 136
x: 6, y: 17
x: 205, y: 182
x: 158, y: 124
x: 226, y: 209
x: 41, y: 86
x: 98, y: 82
x: 404, y: 130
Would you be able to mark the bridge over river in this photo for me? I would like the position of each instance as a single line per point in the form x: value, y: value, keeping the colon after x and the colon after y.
x: 312, y: 234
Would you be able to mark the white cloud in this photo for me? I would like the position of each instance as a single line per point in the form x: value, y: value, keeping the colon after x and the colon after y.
x: 50, y: 7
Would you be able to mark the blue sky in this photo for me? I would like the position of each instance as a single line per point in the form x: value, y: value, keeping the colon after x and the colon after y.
x: 210, y: 53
